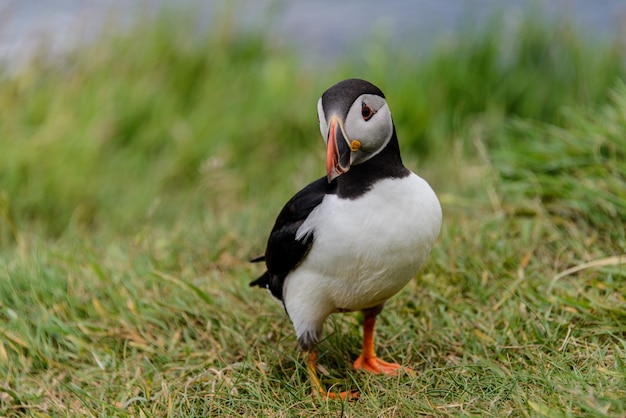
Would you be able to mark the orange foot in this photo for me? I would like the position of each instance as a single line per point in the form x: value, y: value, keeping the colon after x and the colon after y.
x: 377, y: 366
x: 350, y: 396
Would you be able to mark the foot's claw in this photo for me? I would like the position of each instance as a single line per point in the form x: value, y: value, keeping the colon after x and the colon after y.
x: 349, y: 395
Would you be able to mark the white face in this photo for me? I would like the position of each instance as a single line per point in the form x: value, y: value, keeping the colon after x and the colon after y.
x: 368, y: 121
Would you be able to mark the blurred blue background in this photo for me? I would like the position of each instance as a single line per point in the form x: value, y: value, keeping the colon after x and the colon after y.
x: 320, y: 30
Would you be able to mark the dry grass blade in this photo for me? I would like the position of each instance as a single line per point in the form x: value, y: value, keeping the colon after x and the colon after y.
x: 604, y: 262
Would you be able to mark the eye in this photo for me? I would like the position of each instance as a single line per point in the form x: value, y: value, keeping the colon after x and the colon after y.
x: 366, y: 111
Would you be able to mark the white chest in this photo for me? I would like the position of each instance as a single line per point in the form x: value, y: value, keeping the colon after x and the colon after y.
x: 366, y: 249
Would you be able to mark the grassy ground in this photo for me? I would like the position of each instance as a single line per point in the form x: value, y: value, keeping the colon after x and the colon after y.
x: 139, y: 175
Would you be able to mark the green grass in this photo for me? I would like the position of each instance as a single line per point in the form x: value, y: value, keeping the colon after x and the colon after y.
x: 131, y: 199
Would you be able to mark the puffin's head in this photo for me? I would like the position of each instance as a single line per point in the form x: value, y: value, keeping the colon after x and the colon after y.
x: 355, y: 122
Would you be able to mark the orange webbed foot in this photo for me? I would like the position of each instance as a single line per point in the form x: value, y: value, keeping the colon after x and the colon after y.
x: 377, y: 366
x: 349, y: 395
x: 368, y: 360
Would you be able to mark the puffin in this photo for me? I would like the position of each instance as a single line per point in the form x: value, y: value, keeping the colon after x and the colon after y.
x: 354, y: 238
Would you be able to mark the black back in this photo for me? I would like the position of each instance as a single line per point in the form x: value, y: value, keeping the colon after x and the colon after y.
x: 284, y: 252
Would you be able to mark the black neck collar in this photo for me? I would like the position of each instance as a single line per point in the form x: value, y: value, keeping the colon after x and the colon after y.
x: 361, y: 177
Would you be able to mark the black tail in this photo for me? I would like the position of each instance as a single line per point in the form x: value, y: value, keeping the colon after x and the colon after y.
x: 272, y: 283
x: 263, y: 281
x: 258, y: 259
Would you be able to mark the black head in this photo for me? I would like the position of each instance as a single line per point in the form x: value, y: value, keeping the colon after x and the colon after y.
x: 355, y: 122
x: 340, y: 97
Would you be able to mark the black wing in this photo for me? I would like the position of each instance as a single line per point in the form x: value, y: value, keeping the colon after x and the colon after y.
x: 284, y: 252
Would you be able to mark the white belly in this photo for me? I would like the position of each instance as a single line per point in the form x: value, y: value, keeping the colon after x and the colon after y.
x: 364, y: 250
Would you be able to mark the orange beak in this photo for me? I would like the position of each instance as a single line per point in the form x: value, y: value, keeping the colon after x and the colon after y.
x: 337, y: 151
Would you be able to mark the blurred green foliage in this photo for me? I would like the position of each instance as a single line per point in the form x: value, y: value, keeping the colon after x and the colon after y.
x: 159, y: 123
x: 576, y: 171
x: 157, y: 113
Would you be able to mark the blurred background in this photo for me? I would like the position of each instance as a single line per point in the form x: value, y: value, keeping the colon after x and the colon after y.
x: 321, y: 30
x: 115, y: 112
